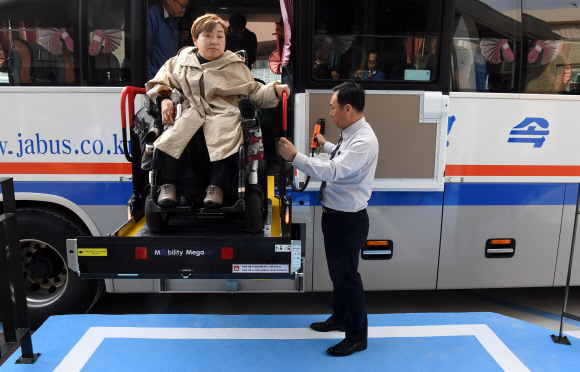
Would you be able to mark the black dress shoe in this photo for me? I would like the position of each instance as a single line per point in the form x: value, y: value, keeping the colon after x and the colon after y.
x: 347, y: 347
x: 327, y: 326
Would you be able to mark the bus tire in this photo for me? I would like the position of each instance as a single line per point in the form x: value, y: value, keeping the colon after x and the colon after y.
x: 156, y: 221
x: 51, y: 287
x: 254, y: 217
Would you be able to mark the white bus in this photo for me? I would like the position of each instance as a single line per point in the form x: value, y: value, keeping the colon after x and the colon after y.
x: 474, y: 108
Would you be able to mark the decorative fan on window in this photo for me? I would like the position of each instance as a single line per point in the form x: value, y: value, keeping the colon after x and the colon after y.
x: 274, y: 62
x: 493, y: 49
x: 110, y: 38
x: 550, y: 49
x: 50, y: 39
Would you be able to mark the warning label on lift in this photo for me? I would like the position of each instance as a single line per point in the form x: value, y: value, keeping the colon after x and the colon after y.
x: 260, y: 268
x: 93, y: 252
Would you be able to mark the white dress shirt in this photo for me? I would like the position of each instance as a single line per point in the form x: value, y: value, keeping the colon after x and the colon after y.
x: 350, y: 174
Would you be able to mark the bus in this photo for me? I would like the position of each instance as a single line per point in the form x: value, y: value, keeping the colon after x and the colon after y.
x: 473, y: 102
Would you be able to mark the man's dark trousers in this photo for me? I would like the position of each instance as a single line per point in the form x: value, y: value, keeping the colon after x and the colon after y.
x: 344, y: 236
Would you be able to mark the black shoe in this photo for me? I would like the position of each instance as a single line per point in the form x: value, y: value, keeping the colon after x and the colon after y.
x: 327, y: 326
x: 347, y: 347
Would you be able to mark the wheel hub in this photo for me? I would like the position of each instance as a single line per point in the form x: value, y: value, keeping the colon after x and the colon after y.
x: 45, y: 273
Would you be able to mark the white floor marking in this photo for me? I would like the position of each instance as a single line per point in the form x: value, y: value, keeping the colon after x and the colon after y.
x: 570, y: 333
x: 76, y: 359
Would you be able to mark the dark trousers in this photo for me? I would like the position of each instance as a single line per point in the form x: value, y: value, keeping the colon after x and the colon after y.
x: 194, y: 170
x: 345, y: 234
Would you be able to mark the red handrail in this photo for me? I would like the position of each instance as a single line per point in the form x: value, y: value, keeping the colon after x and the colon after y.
x: 284, y: 112
x: 131, y: 92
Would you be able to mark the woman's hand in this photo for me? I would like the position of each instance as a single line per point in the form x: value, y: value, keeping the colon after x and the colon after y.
x: 167, y: 112
x: 279, y: 88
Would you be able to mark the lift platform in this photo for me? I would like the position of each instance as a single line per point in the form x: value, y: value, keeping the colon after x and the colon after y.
x: 189, y: 249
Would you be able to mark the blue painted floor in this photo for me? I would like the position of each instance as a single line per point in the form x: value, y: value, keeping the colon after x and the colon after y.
x: 397, y: 342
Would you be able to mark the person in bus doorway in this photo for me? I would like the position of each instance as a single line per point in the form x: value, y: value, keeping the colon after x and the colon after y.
x: 240, y: 38
x: 163, y: 32
x: 347, y: 182
x: 206, y: 82
x: 372, y: 73
x: 185, y: 38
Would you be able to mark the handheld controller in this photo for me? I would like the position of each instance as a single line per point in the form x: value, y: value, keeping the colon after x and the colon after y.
x: 314, y: 141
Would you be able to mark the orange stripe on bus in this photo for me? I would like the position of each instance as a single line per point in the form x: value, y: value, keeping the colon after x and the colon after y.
x: 65, y: 168
x: 512, y: 170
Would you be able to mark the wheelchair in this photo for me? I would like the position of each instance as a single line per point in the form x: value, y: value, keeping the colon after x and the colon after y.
x: 251, y: 201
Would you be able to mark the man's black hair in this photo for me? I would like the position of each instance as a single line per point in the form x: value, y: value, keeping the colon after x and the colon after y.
x: 238, y: 20
x: 351, y: 93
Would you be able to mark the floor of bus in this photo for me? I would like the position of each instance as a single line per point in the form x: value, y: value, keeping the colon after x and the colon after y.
x: 432, y: 331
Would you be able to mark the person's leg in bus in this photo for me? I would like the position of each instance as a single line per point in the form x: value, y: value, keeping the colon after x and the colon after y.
x: 220, y: 181
x: 189, y: 172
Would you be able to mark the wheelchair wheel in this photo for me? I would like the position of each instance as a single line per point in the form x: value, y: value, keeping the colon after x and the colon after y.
x: 156, y: 221
x: 254, y: 207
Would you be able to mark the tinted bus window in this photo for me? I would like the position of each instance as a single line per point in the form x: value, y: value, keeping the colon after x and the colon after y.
x: 552, y: 57
x: 376, y: 39
x: 485, y: 43
x: 38, y: 42
x: 107, y: 42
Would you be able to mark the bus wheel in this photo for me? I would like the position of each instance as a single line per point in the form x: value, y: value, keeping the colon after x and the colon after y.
x: 254, y: 217
x: 156, y: 221
x: 51, y: 288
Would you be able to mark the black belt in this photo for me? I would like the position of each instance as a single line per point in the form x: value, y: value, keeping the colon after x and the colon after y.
x: 334, y: 211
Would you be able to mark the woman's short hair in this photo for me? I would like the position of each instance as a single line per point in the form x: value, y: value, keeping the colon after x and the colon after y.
x: 206, y: 23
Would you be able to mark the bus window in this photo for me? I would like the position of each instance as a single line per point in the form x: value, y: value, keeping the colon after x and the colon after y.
x: 484, y: 53
x: 108, y: 63
x: 376, y: 39
x: 552, y: 57
x: 37, y: 42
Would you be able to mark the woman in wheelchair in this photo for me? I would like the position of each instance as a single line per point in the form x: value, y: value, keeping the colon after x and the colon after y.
x: 200, y: 89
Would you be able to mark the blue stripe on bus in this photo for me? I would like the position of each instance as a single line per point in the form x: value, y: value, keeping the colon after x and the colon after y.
x: 466, y: 194
x: 82, y: 193
x: 378, y: 198
x: 508, y: 194
x: 118, y: 193
x: 571, y: 196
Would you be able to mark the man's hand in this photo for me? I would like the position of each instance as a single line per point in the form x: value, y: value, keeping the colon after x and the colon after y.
x: 279, y: 88
x: 286, y: 149
x: 359, y: 74
x: 167, y: 112
x: 321, y: 140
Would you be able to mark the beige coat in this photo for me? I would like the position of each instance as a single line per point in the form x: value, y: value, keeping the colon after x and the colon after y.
x: 211, y: 93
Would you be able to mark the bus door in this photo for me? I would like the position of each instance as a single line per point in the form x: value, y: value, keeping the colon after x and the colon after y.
x: 394, y: 50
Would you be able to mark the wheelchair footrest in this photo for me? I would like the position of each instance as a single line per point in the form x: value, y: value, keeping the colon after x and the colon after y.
x: 240, y: 206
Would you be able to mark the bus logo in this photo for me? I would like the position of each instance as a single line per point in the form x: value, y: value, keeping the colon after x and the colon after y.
x: 531, y: 134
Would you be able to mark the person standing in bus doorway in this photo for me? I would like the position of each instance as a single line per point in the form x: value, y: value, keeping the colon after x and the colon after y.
x: 347, y: 183
x: 240, y: 38
x: 163, y: 33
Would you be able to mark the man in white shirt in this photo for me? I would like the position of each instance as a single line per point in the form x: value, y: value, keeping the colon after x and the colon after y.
x: 347, y: 182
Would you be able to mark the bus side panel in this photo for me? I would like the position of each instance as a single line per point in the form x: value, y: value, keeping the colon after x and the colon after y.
x: 63, y: 134
x: 473, y: 213
x: 412, y: 221
x: 512, y: 138
x: 566, y: 241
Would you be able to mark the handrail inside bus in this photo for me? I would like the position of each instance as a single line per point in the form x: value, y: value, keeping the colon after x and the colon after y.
x: 131, y: 93
x: 284, y: 112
